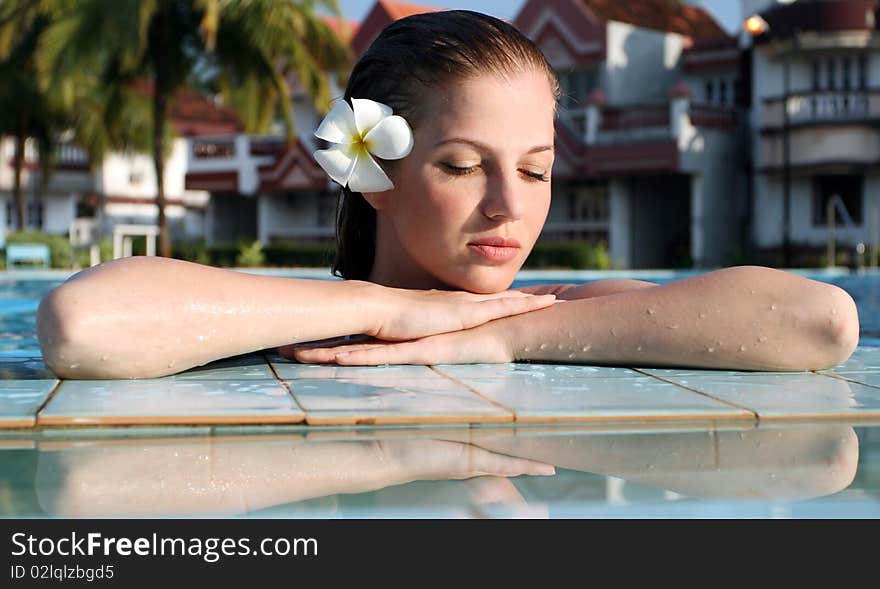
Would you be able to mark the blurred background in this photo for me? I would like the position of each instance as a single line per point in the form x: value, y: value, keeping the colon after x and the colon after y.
x: 691, y: 135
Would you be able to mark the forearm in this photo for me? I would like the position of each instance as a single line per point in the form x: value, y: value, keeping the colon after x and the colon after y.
x: 143, y: 317
x: 744, y: 318
x: 206, y: 478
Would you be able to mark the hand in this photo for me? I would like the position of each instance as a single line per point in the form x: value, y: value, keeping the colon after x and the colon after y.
x: 434, y: 459
x: 483, y: 344
x: 412, y: 314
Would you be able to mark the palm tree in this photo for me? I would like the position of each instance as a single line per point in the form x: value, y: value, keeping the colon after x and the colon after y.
x: 249, y: 48
x: 24, y: 108
x: 99, y: 117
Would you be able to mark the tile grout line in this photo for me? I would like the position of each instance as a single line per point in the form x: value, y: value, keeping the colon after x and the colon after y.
x: 707, y: 395
x: 843, y: 377
x: 476, y: 392
x: 45, y: 402
x: 286, y: 386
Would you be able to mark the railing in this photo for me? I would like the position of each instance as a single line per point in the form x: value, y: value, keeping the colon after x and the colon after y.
x: 267, y: 146
x: 71, y: 156
x: 240, y: 154
x: 644, y: 122
x: 213, y: 148
x: 712, y: 117
x: 634, y: 117
x: 632, y: 124
x: 817, y: 107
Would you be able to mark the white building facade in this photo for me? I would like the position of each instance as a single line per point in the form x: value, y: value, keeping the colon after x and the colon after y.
x: 816, y: 70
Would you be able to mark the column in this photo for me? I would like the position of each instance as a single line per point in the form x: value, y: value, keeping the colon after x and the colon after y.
x: 697, y: 226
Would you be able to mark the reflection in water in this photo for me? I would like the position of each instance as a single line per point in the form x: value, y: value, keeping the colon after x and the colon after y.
x: 239, y: 475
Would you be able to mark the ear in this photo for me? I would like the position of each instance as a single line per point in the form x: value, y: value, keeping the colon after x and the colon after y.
x: 378, y: 200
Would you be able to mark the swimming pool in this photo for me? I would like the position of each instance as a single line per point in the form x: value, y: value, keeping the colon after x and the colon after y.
x: 20, y: 294
x: 695, y: 469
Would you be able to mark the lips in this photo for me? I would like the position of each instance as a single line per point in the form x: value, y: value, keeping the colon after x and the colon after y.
x: 496, y: 249
x: 496, y: 242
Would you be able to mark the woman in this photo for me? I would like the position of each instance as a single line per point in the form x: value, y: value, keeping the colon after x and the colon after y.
x: 453, y: 200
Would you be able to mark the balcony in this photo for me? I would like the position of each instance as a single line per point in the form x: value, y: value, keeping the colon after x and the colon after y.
x: 637, y: 123
x: 230, y: 163
x: 825, y: 128
x: 826, y: 107
x: 637, y: 138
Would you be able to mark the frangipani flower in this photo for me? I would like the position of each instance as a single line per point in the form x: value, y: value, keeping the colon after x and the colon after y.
x: 370, y: 129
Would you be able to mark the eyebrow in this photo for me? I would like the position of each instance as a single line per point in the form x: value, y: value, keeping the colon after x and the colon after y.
x: 484, y: 147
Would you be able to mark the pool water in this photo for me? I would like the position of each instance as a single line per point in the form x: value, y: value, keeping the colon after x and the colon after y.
x: 796, y: 469
x: 19, y: 297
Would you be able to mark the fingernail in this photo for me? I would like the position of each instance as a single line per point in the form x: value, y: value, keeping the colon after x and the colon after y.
x: 561, y: 301
x: 547, y: 470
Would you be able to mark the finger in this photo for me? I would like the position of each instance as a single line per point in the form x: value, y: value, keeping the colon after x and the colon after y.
x: 400, y: 353
x: 289, y: 349
x: 324, y: 355
x: 485, y: 462
x: 506, y: 307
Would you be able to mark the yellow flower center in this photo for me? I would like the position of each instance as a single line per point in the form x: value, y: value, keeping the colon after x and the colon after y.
x: 361, y: 145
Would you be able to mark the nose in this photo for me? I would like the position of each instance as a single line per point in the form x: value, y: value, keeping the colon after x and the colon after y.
x: 503, y: 200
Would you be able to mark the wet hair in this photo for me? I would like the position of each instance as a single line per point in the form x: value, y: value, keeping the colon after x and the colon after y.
x: 409, y: 58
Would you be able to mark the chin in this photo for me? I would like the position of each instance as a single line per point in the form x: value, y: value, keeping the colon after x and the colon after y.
x: 485, y: 280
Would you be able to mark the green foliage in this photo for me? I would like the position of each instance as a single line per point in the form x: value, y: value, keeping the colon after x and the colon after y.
x: 279, y: 254
x: 250, y: 255
x: 193, y: 252
x: 59, y: 245
x: 300, y: 254
x: 575, y: 255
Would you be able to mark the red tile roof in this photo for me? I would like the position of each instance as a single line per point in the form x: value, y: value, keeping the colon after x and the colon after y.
x: 195, y: 114
x: 661, y: 15
x: 399, y: 10
x: 344, y: 29
x: 380, y: 16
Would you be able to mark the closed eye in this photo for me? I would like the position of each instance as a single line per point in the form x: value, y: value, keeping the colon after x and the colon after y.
x: 543, y: 177
x: 466, y: 170
x: 459, y: 170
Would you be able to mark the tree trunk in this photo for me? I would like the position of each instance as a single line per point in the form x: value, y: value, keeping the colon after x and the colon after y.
x: 18, y: 169
x: 161, y: 92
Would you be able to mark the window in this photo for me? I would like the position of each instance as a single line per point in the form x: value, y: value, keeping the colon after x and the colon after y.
x: 33, y: 214
x: 846, y: 186
x: 832, y: 74
x: 842, y: 72
x: 576, y: 84
x: 588, y: 202
x: 710, y: 91
x: 722, y: 91
x: 863, y: 71
x: 327, y: 209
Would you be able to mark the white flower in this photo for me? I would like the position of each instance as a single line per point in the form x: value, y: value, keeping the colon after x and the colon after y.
x: 368, y: 129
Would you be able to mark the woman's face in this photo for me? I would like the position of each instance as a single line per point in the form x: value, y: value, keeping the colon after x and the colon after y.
x: 471, y: 198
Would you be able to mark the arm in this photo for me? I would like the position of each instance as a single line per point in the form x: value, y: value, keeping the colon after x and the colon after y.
x: 147, y: 316
x: 741, y: 318
x: 238, y: 476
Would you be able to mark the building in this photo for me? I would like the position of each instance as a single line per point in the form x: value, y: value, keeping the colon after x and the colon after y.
x: 647, y: 149
x: 815, y: 107
x: 649, y: 158
x: 122, y: 188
